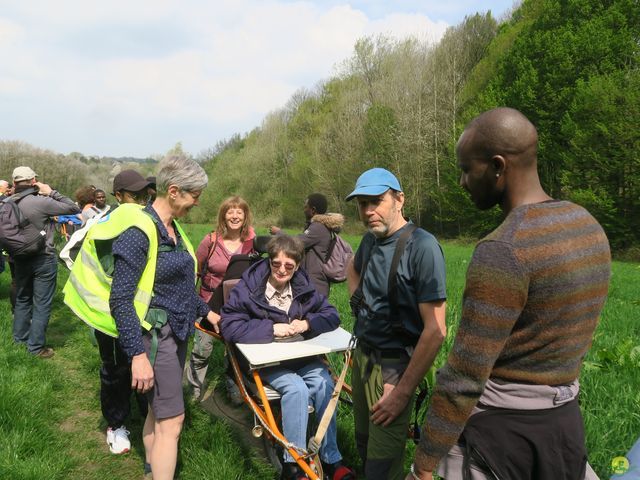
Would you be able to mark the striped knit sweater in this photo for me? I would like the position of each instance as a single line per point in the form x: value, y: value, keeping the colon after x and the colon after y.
x: 535, y: 289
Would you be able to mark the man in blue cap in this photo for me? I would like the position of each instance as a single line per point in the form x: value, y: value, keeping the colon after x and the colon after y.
x: 397, y: 282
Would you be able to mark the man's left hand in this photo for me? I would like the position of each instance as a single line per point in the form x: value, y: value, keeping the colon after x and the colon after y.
x: 390, y: 405
x: 43, y: 189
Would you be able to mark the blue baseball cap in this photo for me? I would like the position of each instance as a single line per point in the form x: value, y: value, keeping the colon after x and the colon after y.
x: 375, y: 182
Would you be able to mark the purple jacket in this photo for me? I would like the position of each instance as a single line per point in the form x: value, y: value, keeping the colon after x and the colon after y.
x: 248, y: 318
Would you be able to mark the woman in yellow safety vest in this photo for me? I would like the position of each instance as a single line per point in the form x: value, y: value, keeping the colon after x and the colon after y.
x: 158, y: 355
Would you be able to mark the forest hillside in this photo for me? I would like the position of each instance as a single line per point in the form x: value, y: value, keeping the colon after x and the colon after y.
x: 571, y: 66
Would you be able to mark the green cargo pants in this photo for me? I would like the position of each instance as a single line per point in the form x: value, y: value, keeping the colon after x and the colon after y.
x: 381, y: 448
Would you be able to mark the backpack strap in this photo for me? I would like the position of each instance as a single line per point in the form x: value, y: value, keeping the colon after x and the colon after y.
x: 16, y: 197
x: 392, y: 282
x: 157, y: 318
x: 13, y: 201
x: 179, y: 246
x: 357, y: 299
x: 212, y: 248
x: 332, y: 244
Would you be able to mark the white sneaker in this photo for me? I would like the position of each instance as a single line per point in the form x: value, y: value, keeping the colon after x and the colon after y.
x: 118, y: 440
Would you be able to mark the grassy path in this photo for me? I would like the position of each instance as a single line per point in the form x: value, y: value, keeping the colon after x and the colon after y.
x: 51, y: 425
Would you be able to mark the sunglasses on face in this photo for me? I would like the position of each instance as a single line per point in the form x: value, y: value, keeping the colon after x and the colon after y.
x: 138, y: 197
x: 289, y: 267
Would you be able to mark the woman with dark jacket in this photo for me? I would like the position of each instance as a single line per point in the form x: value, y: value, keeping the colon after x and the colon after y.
x: 275, y: 300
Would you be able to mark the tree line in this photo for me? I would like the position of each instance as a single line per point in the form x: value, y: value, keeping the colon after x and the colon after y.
x: 571, y: 66
x: 67, y: 173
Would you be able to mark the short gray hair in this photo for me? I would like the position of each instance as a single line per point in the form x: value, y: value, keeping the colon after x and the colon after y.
x: 181, y: 171
x: 292, y: 247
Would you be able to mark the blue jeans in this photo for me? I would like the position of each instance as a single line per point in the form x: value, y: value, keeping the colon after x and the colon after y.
x: 300, y: 384
x: 35, y: 288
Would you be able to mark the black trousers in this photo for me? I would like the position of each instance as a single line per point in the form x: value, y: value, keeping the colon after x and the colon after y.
x: 528, y: 444
x: 115, y: 382
x: 12, y: 292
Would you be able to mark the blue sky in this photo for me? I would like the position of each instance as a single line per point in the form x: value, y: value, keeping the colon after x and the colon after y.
x: 133, y: 77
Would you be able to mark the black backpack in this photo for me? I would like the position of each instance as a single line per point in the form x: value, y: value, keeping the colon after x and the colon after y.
x: 18, y: 236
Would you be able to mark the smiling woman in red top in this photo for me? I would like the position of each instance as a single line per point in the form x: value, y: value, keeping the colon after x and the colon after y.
x: 233, y: 235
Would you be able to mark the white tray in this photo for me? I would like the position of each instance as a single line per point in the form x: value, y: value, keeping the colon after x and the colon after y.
x: 261, y: 355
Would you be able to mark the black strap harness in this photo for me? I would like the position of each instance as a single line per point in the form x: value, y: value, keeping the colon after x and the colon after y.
x: 357, y: 299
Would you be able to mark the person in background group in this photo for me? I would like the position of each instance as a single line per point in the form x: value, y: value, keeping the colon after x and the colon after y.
x: 317, y: 238
x: 36, y: 275
x: 534, y: 292
x: 274, y: 299
x: 115, y: 370
x: 400, y: 321
x: 85, y: 197
x: 233, y: 235
x: 151, y: 189
x: 4, y: 186
x: 4, y: 189
x: 5, y: 192
x: 100, y: 201
x: 158, y: 355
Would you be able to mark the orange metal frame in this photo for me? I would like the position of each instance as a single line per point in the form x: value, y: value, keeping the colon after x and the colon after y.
x: 264, y: 412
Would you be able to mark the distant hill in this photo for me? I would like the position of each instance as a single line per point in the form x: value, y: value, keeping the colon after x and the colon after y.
x: 67, y: 173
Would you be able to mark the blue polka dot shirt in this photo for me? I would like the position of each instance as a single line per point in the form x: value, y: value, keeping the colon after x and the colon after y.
x: 173, y: 290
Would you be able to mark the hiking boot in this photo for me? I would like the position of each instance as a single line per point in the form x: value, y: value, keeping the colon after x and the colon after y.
x: 46, y: 352
x: 337, y: 471
x: 291, y: 471
x: 118, y: 440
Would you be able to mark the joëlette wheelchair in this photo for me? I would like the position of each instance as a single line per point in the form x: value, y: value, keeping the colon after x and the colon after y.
x: 245, y: 362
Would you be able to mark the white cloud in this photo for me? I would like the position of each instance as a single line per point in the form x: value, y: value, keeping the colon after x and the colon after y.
x: 186, y: 70
x: 10, y: 32
x: 403, y: 25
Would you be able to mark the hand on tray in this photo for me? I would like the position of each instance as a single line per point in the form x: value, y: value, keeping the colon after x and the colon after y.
x: 300, y: 326
x: 283, y: 330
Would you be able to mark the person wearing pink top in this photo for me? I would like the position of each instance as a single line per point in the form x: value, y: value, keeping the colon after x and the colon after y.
x: 233, y: 235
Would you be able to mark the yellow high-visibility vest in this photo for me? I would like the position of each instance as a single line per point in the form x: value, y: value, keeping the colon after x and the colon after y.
x: 88, y: 288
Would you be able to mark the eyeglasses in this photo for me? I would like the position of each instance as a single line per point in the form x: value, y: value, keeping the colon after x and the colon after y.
x: 138, y: 197
x: 289, y: 267
x: 194, y: 195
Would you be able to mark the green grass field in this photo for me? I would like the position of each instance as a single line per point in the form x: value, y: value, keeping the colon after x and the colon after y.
x: 51, y: 426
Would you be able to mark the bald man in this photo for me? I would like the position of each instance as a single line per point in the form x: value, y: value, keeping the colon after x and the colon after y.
x: 506, y: 402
